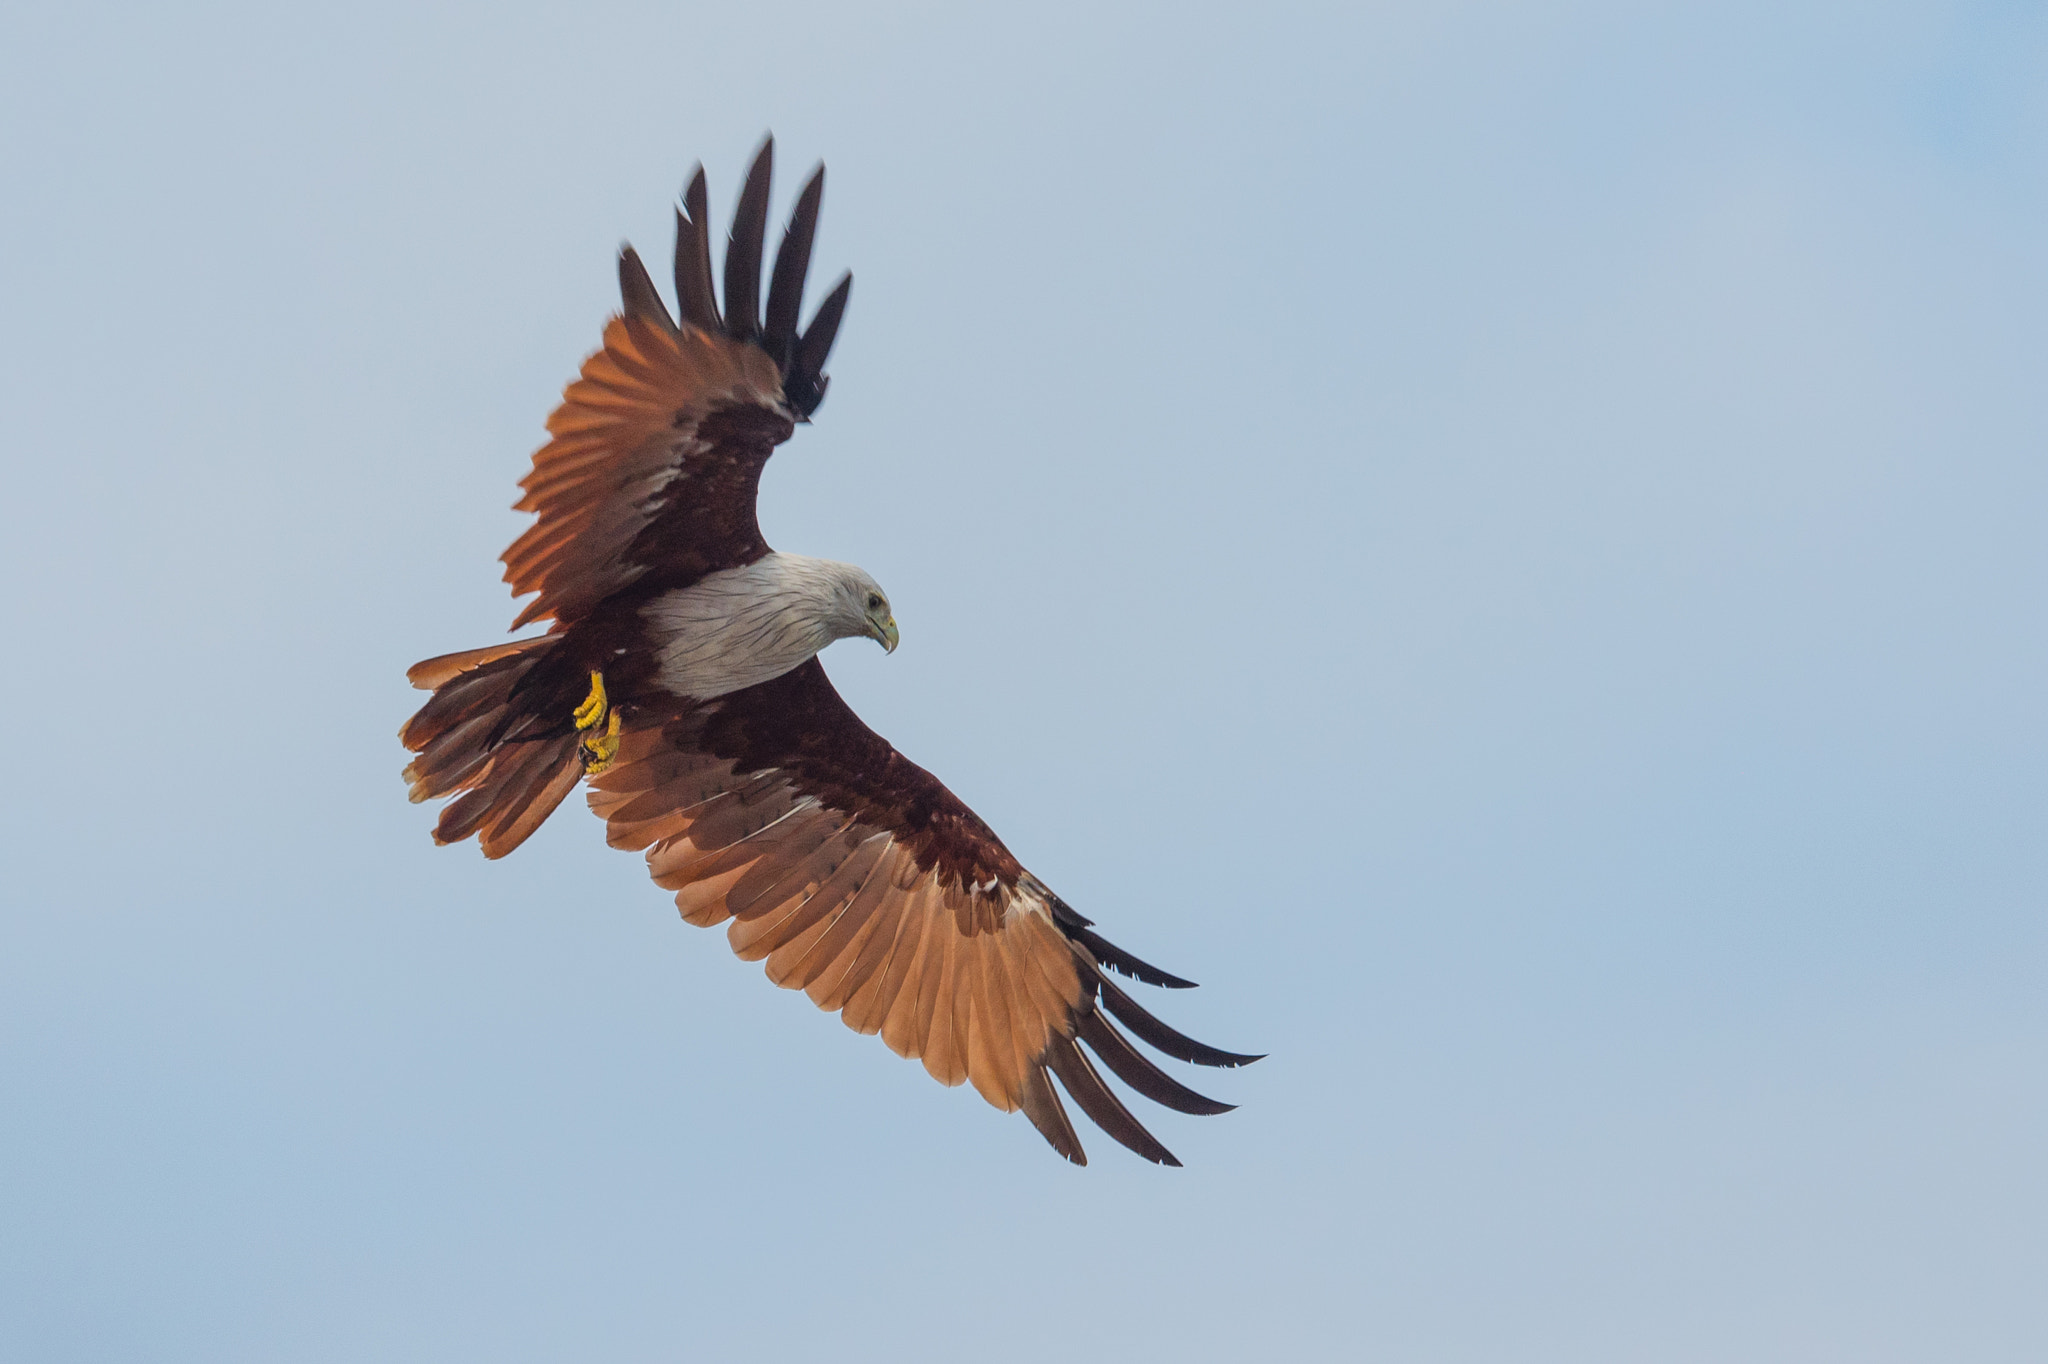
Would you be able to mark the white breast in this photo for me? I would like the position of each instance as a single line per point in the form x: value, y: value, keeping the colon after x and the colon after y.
x: 740, y: 626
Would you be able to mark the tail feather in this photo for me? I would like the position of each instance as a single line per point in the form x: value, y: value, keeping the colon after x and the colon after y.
x: 509, y: 827
x: 504, y: 787
x: 452, y: 759
x: 432, y: 672
x: 482, y: 690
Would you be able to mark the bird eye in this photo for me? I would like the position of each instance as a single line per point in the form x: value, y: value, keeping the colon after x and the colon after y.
x: 874, y: 602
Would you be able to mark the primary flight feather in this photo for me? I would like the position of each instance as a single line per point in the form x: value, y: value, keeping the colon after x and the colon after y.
x: 679, y: 675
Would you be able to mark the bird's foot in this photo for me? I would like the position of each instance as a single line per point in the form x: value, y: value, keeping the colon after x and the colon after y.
x: 600, y: 751
x: 590, y: 714
x: 600, y: 748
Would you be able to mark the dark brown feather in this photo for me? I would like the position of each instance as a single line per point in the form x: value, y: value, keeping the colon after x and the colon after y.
x: 817, y: 342
x: 798, y: 723
x: 743, y: 249
x: 517, y: 814
x: 1150, y: 1030
x: 638, y: 294
x: 1041, y: 1103
x: 792, y: 263
x: 1108, y: 953
x: 693, y: 259
x: 1103, y: 1108
x: 1133, y: 1069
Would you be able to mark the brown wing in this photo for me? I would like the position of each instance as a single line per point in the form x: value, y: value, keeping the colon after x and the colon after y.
x: 657, y: 449
x: 861, y: 880
x: 663, y: 425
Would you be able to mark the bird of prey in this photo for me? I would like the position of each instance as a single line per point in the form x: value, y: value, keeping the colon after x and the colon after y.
x: 679, y: 676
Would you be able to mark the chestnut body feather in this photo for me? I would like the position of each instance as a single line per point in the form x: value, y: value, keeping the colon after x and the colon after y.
x: 679, y: 674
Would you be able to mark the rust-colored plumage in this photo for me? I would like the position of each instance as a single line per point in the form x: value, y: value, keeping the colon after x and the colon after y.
x: 850, y: 872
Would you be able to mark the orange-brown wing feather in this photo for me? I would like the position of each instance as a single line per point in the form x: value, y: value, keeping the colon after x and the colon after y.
x: 825, y: 888
x: 845, y: 870
x: 663, y: 422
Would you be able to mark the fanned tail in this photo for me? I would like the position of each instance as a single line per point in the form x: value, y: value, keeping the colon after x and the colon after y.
x: 470, y: 741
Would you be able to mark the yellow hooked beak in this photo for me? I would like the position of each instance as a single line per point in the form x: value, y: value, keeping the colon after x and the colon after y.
x: 885, y: 633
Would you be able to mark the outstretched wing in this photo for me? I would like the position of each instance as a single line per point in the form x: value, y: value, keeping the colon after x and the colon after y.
x: 864, y: 882
x: 657, y: 449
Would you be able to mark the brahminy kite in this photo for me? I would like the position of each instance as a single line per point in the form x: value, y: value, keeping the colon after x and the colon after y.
x: 679, y: 675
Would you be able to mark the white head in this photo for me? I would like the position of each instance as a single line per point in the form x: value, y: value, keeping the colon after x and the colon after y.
x: 740, y: 626
x: 857, y: 607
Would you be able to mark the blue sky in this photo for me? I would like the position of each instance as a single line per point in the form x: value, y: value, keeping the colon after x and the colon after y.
x: 1505, y: 540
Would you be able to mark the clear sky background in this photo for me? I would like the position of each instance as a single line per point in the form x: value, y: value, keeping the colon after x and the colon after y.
x: 1505, y: 540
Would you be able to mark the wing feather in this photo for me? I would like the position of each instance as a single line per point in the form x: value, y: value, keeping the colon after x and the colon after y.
x: 703, y: 902
x: 1103, y: 1107
x: 650, y: 818
x: 640, y: 426
x: 792, y: 263
x: 693, y: 258
x: 1041, y: 1103
x: 676, y: 862
x: 880, y: 966
x: 806, y: 914
x: 989, y: 1050
x: 800, y: 930
x: 656, y: 450
x: 824, y: 967
x: 743, y: 249
x: 1178, y: 1045
x: 855, y: 877
x: 638, y: 292
x: 865, y: 954
x: 901, y: 1030
x: 936, y: 996
x: 1131, y: 1066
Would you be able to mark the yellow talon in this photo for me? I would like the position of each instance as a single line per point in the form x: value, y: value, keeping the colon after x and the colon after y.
x: 593, y: 708
x: 600, y: 752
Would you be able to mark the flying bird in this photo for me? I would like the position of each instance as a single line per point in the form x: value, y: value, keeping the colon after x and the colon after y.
x: 679, y: 677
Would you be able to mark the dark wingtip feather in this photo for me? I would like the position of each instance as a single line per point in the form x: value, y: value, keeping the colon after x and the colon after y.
x: 803, y: 379
x: 743, y: 247
x: 1066, y: 915
x: 1076, y: 926
x: 824, y: 329
x: 792, y: 263
x: 1150, y: 1030
x: 637, y: 293
x: 1122, y: 962
x: 1102, y: 1106
x: 1041, y: 1104
x: 694, y: 294
x: 1131, y: 1066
